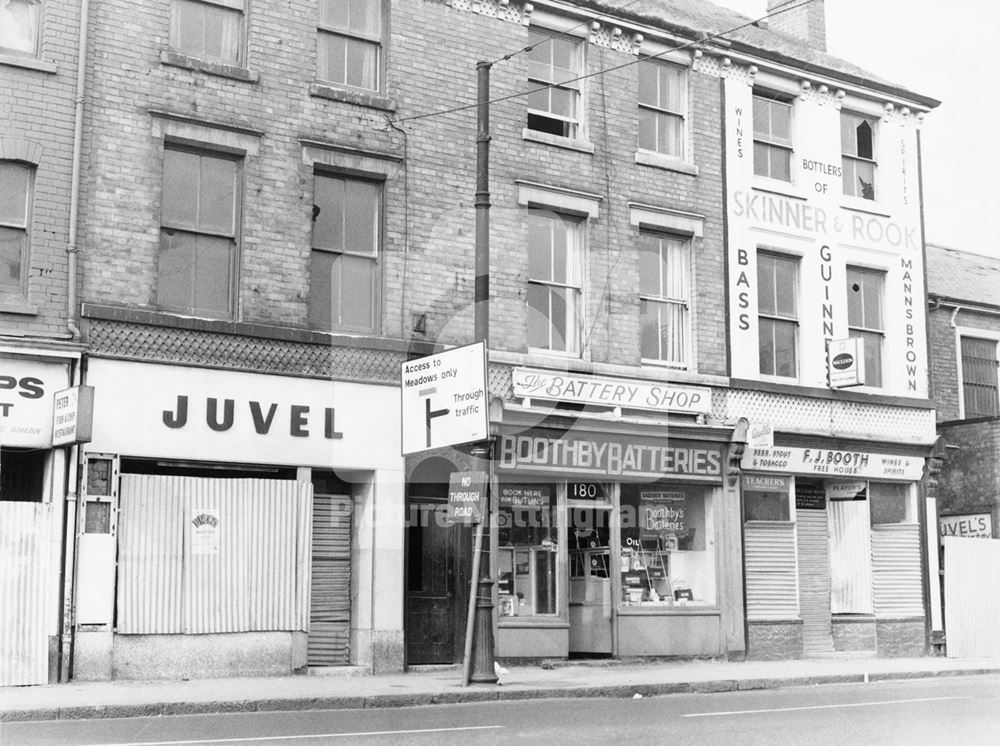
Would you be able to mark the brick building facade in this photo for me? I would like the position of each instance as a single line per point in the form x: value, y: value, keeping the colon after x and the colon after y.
x: 964, y: 321
x: 284, y: 199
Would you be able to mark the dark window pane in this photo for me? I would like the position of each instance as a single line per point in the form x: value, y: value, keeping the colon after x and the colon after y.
x: 218, y: 195
x: 539, y: 248
x: 649, y: 266
x: 784, y: 349
x: 647, y: 129
x: 538, y: 316
x: 650, y: 330
x: 14, y: 181
x: 559, y: 251
x: 321, y: 278
x: 648, y: 87
x: 212, y: 278
x: 180, y: 189
x: 785, y: 286
x: 12, y: 242
x: 175, y: 270
x: 357, y: 292
x: 765, y: 285
x: 361, y: 216
x: 361, y: 64
x: 766, y: 346
x: 328, y: 223
x: 561, y: 311
x: 332, y: 58
x: 864, y: 140
x: 780, y: 166
x: 781, y: 121
x: 761, y: 159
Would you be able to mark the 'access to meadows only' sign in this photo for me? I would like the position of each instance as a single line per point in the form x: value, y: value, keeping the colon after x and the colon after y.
x: 444, y: 399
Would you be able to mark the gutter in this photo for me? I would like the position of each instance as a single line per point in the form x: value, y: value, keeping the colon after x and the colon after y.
x: 72, y: 249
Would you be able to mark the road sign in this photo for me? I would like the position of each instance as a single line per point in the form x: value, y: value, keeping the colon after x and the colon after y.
x: 444, y: 399
x: 466, y: 496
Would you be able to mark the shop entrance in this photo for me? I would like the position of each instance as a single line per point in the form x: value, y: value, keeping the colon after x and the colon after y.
x: 438, y: 570
x: 590, y: 591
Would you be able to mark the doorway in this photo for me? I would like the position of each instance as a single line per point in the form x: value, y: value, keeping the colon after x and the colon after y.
x: 590, y: 583
x: 438, y: 570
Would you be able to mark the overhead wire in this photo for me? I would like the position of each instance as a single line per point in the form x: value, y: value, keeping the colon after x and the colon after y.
x: 790, y: 5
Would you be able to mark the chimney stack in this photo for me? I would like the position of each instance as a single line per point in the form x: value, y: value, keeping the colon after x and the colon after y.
x: 806, y: 23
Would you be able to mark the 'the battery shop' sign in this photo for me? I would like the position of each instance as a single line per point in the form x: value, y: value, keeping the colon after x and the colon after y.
x: 531, y: 383
x: 545, y: 450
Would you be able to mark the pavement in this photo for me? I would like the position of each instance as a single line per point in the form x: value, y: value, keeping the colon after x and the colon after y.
x: 351, y: 688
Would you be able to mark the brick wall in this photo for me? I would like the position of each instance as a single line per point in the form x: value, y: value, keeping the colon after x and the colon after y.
x: 946, y: 388
x: 36, y: 125
x: 429, y: 221
x: 970, y: 475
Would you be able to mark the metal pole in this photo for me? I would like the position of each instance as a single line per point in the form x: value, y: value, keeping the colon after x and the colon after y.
x: 471, y: 618
x: 482, y: 289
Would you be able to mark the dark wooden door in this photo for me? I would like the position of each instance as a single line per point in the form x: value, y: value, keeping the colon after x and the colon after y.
x: 438, y: 570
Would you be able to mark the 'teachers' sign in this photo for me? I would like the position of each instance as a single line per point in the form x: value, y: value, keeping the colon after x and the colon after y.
x: 599, y: 454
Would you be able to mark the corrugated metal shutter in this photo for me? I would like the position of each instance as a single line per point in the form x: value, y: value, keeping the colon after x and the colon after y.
x: 896, y: 578
x: 150, y: 588
x: 850, y: 557
x: 972, y: 597
x: 251, y: 577
x: 330, y: 615
x: 814, y: 581
x: 24, y: 586
x: 771, y: 574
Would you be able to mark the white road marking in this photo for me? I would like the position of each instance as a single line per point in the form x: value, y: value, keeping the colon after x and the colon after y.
x: 250, y: 739
x: 821, y: 707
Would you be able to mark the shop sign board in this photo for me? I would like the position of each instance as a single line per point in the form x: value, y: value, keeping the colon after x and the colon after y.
x: 608, y: 455
x: 466, y: 496
x: 662, y: 515
x: 847, y: 490
x: 975, y: 525
x: 186, y: 413
x: 833, y: 463
x: 760, y: 435
x: 657, y: 396
x: 444, y: 399
x: 26, y: 398
x: 73, y: 416
x: 845, y: 362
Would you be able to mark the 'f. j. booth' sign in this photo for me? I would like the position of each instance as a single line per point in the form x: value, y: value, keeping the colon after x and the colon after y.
x: 531, y: 383
x: 606, y: 455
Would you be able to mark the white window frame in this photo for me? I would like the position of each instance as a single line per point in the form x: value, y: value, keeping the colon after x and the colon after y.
x: 573, y: 284
x: 374, y: 256
x: 236, y: 6
x: 668, y: 242
x: 852, y: 159
x: 375, y: 40
x: 23, y: 226
x: 793, y: 320
x: 866, y: 331
x: 575, y: 126
x: 983, y: 334
x: 769, y: 141
x: 7, y: 20
x: 663, y: 113
x: 233, y: 234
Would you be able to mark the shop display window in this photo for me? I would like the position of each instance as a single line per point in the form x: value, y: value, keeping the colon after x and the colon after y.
x: 766, y: 498
x: 667, y: 556
x: 891, y: 503
x: 527, y: 550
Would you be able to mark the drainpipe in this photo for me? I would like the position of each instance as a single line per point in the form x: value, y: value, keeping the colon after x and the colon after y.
x: 74, y: 201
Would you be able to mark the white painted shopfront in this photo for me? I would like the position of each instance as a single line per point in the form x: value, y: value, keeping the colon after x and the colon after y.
x: 247, y: 512
x: 32, y: 503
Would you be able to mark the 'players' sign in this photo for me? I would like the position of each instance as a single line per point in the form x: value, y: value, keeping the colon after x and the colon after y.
x: 444, y: 399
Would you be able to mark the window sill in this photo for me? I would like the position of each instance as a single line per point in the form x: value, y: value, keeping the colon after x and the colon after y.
x: 666, y: 162
x: 350, y: 96
x: 569, y: 143
x: 648, y: 362
x: 533, y: 622
x: 774, y: 186
x: 867, y: 206
x: 28, y: 63
x: 20, y: 308
x: 537, y: 352
x: 220, y: 69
